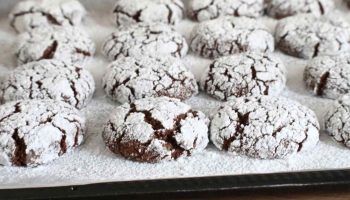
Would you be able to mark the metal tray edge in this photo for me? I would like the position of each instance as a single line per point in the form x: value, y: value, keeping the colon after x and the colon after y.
x: 185, y: 185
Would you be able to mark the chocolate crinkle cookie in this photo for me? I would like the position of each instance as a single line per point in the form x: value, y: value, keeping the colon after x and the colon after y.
x: 150, y: 11
x: 337, y: 122
x: 68, y: 43
x: 202, y: 10
x: 230, y: 35
x: 131, y: 78
x: 156, y: 129
x: 328, y: 76
x: 307, y: 36
x: 49, y: 79
x: 284, y: 8
x: 264, y: 127
x: 145, y: 39
x: 38, y: 131
x: 31, y: 14
x: 246, y: 74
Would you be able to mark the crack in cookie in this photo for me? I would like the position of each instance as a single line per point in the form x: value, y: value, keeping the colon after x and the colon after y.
x: 20, y: 156
x: 49, y: 51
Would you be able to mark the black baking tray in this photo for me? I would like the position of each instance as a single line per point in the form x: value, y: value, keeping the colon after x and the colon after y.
x: 335, y: 178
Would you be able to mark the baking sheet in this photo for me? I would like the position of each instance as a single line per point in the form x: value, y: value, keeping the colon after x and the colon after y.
x: 93, y: 162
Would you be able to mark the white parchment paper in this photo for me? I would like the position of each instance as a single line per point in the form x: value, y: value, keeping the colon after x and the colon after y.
x: 93, y: 163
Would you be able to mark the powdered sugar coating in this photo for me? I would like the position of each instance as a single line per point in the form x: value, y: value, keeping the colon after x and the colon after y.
x: 131, y: 78
x: 202, y: 10
x: 284, y: 8
x: 328, y: 76
x: 69, y: 44
x: 246, y: 74
x: 307, y: 36
x: 265, y: 127
x: 149, y: 11
x: 38, y: 131
x: 145, y: 39
x: 230, y: 35
x: 155, y: 129
x: 337, y: 122
x: 49, y: 79
x: 30, y: 14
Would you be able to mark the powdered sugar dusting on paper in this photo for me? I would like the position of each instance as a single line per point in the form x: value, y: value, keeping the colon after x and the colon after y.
x: 93, y: 162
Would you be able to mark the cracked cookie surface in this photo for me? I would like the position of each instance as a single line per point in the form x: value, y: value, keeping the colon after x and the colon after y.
x: 49, y: 79
x: 149, y: 11
x: 202, y: 10
x: 265, y: 127
x: 30, y: 14
x: 284, y: 8
x: 246, y: 74
x: 38, y: 131
x: 156, y: 129
x: 328, y: 76
x: 337, y: 122
x: 230, y: 35
x: 131, y: 78
x: 69, y: 44
x: 145, y: 39
x: 307, y: 36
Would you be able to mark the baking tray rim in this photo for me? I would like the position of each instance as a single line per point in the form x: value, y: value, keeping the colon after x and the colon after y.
x: 320, y: 178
